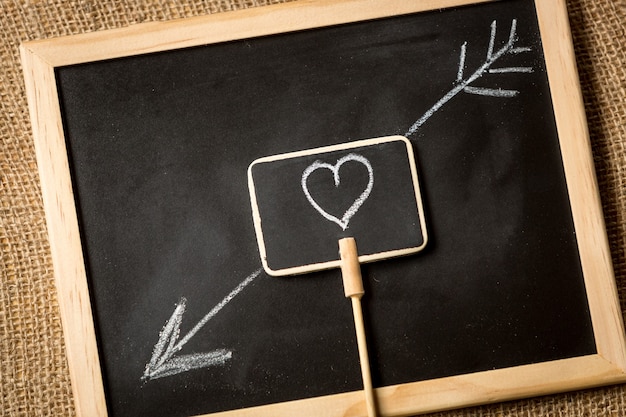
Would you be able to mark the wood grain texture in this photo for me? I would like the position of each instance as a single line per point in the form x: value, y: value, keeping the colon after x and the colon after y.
x: 279, y: 18
x: 353, y: 289
x: 65, y: 243
x: 582, y: 183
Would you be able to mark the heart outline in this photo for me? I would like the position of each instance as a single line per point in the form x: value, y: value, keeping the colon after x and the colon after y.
x: 358, y: 202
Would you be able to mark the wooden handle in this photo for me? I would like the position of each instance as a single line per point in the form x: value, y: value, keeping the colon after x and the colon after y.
x: 353, y: 288
x: 370, y: 401
x: 350, y: 268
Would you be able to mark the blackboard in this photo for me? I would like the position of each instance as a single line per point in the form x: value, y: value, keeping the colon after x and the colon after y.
x: 144, y: 137
x: 310, y: 199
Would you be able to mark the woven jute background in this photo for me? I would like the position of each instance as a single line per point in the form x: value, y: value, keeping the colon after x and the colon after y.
x: 34, y: 378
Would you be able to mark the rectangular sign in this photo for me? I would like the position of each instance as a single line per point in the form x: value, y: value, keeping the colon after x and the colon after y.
x: 304, y: 202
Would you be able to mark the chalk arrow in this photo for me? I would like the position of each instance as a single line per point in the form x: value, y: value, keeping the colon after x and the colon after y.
x: 164, y: 361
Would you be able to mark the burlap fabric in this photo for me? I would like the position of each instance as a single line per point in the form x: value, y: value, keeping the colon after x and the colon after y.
x: 34, y: 378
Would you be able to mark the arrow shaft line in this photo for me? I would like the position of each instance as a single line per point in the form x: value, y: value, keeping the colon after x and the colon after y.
x: 216, y: 310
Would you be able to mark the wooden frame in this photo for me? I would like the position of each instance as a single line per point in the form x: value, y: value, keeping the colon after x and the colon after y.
x: 40, y: 58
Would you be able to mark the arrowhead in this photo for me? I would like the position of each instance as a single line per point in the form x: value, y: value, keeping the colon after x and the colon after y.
x: 164, y: 362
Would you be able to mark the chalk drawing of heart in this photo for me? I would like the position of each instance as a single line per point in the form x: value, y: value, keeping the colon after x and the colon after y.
x: 351, y: 211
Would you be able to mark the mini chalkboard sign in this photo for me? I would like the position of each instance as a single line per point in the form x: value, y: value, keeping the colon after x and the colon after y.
x: 374, y: 178
x: 305, y: 201
x: 144, y: 136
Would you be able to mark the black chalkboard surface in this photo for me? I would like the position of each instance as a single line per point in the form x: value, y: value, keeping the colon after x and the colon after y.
x: 312, y: 198
x: 503, y: 301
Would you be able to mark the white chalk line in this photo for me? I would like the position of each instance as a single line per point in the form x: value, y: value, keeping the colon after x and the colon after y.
x: 492, y: 40
x: 164, y: 363
x: 510, y: 70
x: 185, y: 363
x: 168, y: 334
x: 491, y: 92
x: 459, y: 74
x: 358, y: 202
x: 217, y: 308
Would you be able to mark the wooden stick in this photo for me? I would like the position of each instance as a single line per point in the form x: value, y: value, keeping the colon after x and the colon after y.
x: 353, y: 289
